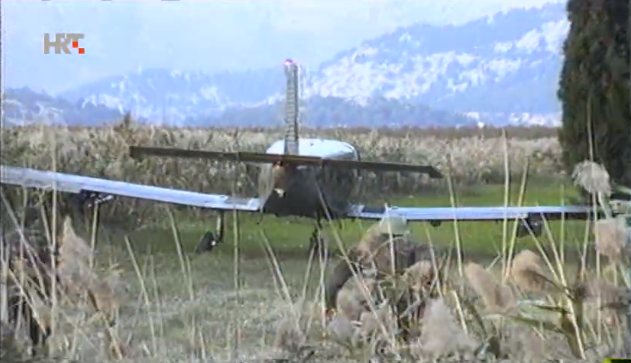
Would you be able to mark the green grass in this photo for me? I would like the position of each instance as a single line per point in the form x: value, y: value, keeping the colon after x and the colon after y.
x: 290, y: 236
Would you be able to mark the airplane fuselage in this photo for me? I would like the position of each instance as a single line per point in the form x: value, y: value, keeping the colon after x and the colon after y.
x: 309, y: 191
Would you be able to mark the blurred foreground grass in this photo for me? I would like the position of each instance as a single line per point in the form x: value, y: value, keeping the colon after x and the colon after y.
x: 182, y: 307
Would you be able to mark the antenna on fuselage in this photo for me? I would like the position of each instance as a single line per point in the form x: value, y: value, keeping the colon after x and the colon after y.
x: 292, y: 107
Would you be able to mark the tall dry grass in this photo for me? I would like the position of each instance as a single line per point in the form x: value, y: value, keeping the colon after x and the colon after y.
x: 532, y: 312
x: 529, y: 309
x: 471, y: 156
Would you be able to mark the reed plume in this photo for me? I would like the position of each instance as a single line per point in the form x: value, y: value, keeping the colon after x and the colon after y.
x: 528, y: 274
x: 496, y: 297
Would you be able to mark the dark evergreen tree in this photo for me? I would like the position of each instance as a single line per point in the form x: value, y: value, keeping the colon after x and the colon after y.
x: 594, y: 88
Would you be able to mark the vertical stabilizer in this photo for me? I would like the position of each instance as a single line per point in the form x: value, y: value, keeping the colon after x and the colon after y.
x: 291, y: 107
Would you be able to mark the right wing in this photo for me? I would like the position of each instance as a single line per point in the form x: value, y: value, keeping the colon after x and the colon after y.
x: 477, y: 214
x: 76, y: 184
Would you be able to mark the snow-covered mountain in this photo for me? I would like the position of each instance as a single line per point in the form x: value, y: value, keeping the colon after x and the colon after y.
x: 499, y: 70
x: 213, y: 36
x: 165, y: 95
x: 22, y: 106
x: 508, y: 63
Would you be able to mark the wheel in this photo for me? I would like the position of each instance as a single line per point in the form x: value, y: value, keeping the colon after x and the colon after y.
x: 528, y: 226
x: 206, y: 243
x: 316, y: 244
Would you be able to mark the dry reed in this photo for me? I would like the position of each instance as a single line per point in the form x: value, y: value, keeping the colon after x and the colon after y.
x: 100, y: 152
x: 496, y: 297
x: 103, y: 152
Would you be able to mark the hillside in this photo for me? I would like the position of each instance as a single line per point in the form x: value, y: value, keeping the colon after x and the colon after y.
x: 338, y: 112
x: 205, y: 35
x: 503, y: 69
x: 508, y: 63
x: 23, y: 106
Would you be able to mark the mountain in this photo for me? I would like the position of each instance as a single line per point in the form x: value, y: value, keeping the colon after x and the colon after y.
x: 507, y: 63
x: 329, y: 111
x: 502, y: 69
x: 121, y: 36
x: 499, y: 69
x: 20, y: 106
x: 172, y: 96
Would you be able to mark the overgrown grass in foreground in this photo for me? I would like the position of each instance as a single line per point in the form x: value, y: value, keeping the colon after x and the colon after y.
x: 175, y: 306
x: 172, y: 305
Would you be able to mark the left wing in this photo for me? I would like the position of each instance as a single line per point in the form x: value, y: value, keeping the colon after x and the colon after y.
x: 76, y: 184
x: 448, y: 214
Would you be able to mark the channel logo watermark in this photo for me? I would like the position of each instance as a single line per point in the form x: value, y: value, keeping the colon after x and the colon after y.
x: 63, y: 43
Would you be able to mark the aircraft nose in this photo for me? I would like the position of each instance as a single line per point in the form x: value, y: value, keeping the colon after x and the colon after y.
x: 280, y: 177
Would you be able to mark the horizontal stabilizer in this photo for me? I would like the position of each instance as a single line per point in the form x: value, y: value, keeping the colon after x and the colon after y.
x: 251, y: 157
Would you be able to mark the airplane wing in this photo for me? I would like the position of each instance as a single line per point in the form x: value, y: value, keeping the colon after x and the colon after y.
x: 75, y: 184
x: 447, y: 214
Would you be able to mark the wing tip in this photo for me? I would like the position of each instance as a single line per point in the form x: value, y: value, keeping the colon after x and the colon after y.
x: 135, y: 152
x: 434, y: 173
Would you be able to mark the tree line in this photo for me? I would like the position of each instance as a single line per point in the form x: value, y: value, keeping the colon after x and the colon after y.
x: 339, y: 112
x: 595, y: 87
x: 24, y: 104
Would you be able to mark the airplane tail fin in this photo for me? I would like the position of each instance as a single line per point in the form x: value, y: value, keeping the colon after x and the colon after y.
x: 291, y: 154
x: 292, y: 99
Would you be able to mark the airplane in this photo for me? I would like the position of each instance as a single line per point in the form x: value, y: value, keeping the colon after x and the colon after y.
x: 304, y: 177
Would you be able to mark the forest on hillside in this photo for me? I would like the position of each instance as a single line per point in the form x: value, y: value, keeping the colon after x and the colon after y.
x: 24, y: 104
x: 339, y: 112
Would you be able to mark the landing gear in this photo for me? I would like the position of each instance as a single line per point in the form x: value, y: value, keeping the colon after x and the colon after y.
x: 317, y: 244
x: 209, y: 240
x: 530, y: 225
x: 85, y: 203
x: 435, y: 223
x: 89, y: 199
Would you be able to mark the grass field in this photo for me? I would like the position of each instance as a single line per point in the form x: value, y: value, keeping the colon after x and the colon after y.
x: 480, y: 158
x: 476, y: 160
x: 176, y: 306
x: 290, y: 236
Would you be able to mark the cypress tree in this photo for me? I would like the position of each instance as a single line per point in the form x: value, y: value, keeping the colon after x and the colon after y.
x: 595, y: 87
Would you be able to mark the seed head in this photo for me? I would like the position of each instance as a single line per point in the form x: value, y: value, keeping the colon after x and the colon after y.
x: 528, y: 275
x: 592, y: 177
x: 496, y: 297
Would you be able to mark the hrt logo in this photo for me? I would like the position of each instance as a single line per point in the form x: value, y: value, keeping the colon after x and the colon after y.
x: 62, y: 41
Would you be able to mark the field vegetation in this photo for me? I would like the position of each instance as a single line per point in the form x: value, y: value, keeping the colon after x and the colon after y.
x: 258, y: 297
x: 470, y: 156
x: 473, y: 160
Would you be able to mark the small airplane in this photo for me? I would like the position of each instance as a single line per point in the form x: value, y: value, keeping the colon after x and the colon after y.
x: 305, y: 177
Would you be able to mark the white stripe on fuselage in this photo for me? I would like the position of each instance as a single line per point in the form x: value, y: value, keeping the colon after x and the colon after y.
x: 316, y: 147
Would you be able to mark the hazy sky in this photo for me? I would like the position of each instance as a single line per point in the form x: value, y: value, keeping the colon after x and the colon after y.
x: 121, y: 36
